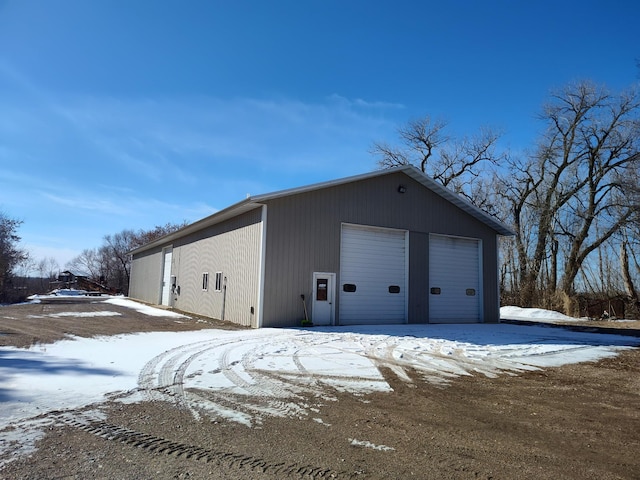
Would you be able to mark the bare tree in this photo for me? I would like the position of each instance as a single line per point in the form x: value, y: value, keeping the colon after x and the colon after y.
x: 143, y: 237
x: 110, y: 264
x: 48, y: 270
x: 455, y: 163
x: 598, y: 136
x: 576, y: 179
x: 630, y: 243
x: 87, y: 263
x: 515, y: 191
x: 627, y: 277
x: 115, y: 250
x: 11, y: 255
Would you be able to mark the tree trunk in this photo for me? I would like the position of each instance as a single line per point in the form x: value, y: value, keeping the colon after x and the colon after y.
x: 553, y: 277
x: 630, y: 289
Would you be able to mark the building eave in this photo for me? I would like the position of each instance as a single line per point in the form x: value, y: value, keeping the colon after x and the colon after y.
x: 251, y: 203
x: 459, y: 201
x: 415, y: 174
x: 230, y: 212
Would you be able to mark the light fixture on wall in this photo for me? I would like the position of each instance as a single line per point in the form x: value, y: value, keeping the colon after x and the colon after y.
x: 402, y: 189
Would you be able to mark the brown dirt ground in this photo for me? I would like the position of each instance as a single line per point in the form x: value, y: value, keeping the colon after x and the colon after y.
x: 576, y: 421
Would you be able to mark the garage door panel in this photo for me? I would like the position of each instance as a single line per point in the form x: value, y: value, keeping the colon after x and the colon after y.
x: 373, y: 260
x: 454, y: 279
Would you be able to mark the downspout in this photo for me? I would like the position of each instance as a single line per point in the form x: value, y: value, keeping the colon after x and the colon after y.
x: 224, y: 295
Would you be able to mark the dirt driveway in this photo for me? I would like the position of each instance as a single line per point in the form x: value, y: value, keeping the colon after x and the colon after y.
x: 575, y: 421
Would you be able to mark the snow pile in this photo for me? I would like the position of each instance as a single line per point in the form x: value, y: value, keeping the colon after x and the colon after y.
x: 60, y: 292
x: 535, y: 315
x: 102, y: 313
x: 68, y: 292
x: 144, y: 309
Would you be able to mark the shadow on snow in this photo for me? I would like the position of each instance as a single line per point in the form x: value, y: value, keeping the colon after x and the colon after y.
x: 17, y: 362
x: 497, y: 333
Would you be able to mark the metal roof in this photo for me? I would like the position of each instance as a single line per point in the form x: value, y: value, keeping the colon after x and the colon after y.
x: 251, y: 203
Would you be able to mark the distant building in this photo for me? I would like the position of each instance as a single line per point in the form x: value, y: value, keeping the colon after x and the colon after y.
x: 69, y: 280
x: 390, y: 246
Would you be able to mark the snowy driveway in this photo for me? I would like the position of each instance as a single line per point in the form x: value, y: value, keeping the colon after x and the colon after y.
x: 246, y: 375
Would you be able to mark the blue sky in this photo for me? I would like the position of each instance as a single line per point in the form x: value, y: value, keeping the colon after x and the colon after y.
x: 129, y: 114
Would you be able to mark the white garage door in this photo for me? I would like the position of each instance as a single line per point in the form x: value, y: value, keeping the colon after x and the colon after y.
x: 373, y: 273
x: 454, y: 280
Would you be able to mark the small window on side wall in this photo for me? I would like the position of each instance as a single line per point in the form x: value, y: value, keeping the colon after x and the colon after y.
x: 218, y: 281
x: 205, y: 281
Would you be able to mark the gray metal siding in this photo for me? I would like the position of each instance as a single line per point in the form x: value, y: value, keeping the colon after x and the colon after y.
x: 233, y: 248
x: 418, y: 276
x: 145, y: 282
x: 303, y: 236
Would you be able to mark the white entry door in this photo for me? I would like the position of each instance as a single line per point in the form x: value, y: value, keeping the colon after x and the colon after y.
x: 323, y: 304
x: 166, y: 277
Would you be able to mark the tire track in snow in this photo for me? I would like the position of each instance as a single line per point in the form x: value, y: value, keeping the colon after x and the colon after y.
x: 272, y: 388
x: 439, y: 364
x: 163, y: 378
x: 257, y: 393
x: 148, y: 378
x: 160, y: 374
x: 245, y: 377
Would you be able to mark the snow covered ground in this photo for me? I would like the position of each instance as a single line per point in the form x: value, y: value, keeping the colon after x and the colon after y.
x: 246, y: 375
x: 535, y: 315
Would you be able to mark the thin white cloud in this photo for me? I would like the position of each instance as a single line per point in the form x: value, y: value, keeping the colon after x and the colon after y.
x: 178, y: 138
x: 130, y: 206
x: 76, y: 202
x: 359, y: 102
x: 146, y: 137
x: 95, y: 165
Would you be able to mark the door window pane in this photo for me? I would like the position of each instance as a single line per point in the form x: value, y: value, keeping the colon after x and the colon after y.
x: 321, y: 289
